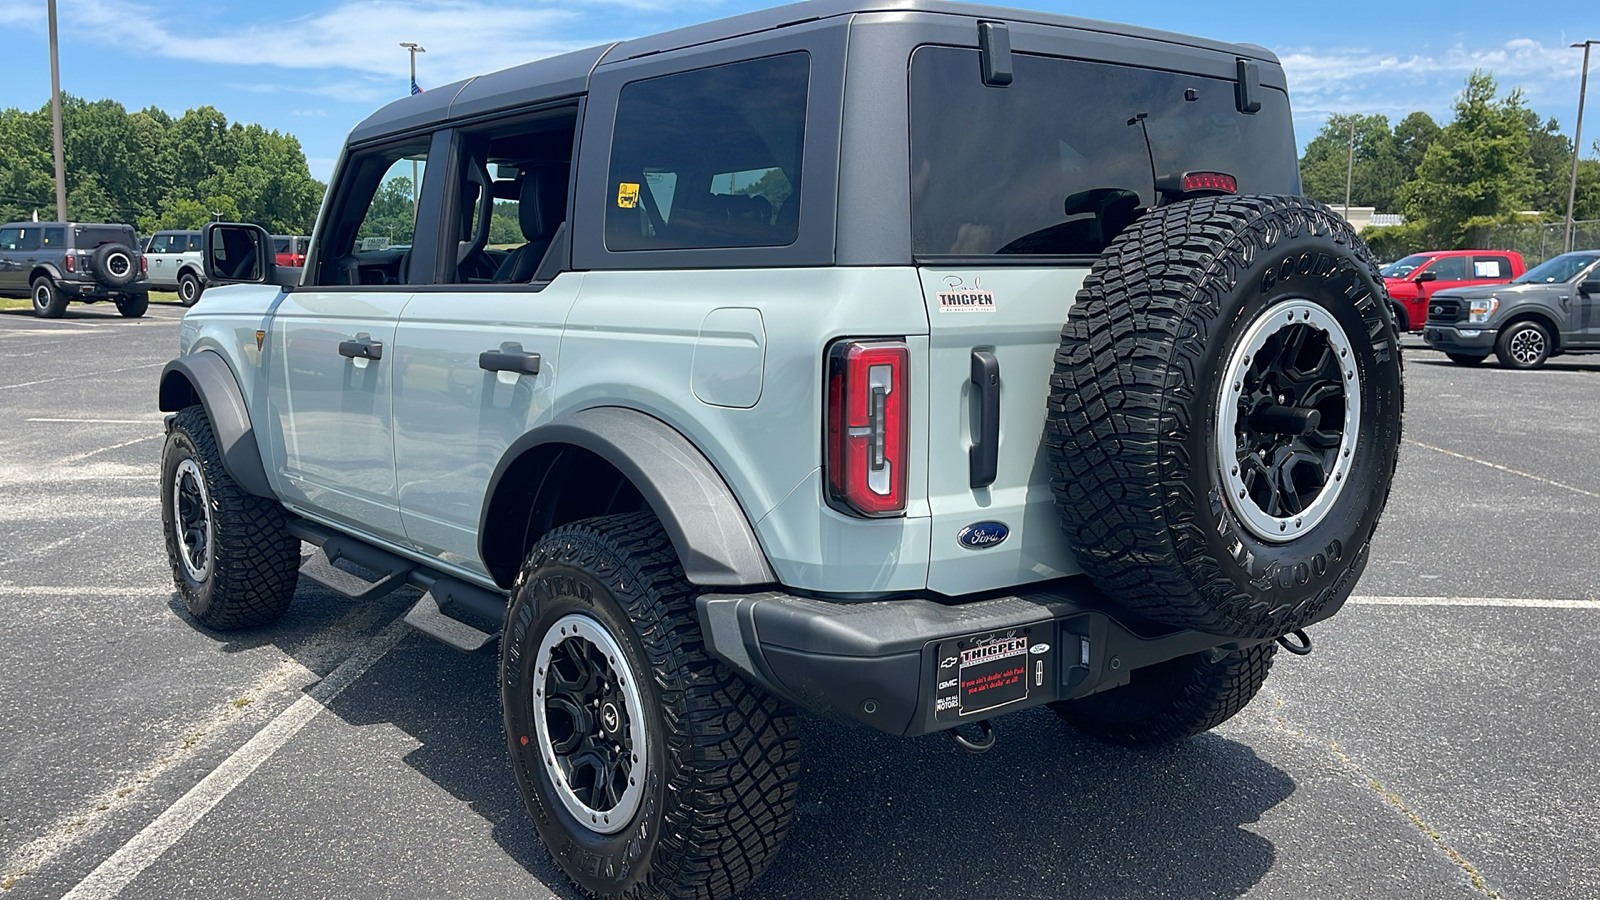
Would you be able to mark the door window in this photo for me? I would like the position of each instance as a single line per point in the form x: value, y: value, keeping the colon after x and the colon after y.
x: 374, y: 218
x: 511, y: 198
x: 8, y: 238
x: 25, y: 238
x: 709, y: 158
x: 1491, y: 267
x: 160, y: 243
x: 1450, y: 268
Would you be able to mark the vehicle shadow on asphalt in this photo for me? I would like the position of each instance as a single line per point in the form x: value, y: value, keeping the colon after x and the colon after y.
x: 1559, y: 364
x: 1047, y: 811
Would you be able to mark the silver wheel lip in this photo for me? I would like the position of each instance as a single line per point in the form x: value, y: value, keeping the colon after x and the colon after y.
x: 611, y: 821
x: 188, y: 467
x: 1292, y: 312
x: 41, y: 296
x: 112, y: 259
x: 188, y: 288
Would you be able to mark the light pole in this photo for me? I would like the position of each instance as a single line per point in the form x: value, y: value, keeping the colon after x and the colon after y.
x: 55, y: 119
x: 1349, y: 167
x: 1577, y: 144
x: 414, y: 50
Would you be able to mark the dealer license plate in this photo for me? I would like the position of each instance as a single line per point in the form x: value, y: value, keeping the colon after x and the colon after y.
x: 983, y: 673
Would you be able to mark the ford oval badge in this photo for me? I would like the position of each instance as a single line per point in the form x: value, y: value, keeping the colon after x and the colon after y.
x: 983, y: 535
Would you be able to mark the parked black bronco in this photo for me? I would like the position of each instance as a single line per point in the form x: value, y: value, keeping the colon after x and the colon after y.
x: 905, y: 362
x: 1551, y: 309
x: 56, y: 263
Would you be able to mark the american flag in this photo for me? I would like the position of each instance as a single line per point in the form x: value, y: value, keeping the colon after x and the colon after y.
x: 414, y: 89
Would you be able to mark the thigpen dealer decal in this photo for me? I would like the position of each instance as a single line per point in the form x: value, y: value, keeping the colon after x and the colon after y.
x: 957, y: 297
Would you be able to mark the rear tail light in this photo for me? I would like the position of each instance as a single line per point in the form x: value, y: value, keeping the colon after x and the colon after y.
x: 1209, y: 181
x: 867, y: 427
x: 144, y: 265
x: 71, y: 261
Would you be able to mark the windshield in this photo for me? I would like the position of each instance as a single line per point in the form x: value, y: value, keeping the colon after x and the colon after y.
x: 1405, y: 266
x: 1554, y: 271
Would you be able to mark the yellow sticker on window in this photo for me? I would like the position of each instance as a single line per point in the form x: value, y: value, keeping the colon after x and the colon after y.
x: 627, y: 195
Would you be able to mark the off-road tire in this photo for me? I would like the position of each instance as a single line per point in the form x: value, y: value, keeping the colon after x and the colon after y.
x: 132, y: 306
x: 1465, y: 359
x: 1138, y: 399
x: 48, y: 300
x: 115, y: 265
x: 189, y: 289
x: 254, y: 560
x: 721, y: 758
x: 1172, y: 700
x: 1523, y: 345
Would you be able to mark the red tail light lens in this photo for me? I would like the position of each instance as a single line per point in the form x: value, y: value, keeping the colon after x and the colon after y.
x: 867, y: 427
x: 1210, y: 181
x: 71, y: 261
x: 144, y: 265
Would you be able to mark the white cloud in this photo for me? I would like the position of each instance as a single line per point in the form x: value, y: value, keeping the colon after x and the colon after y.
x: 462, y: 37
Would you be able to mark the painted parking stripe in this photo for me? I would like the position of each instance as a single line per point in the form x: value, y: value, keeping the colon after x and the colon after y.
x: 1484, y: 462
x: 100, y: 421
x: 110, y: 877
x: 1509, y: 602
x: 96, y: 373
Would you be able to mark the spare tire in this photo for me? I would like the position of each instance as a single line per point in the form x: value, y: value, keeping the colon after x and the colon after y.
x: 1224, y: 418
x: 114, y: 264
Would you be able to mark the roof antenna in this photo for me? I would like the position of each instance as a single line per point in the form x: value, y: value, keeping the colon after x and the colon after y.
x: 1138, y: 119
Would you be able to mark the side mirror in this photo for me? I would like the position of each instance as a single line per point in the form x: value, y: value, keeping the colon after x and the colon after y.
x: 1426, y: 276
x: 1590, y: 287
x: 242, y: 254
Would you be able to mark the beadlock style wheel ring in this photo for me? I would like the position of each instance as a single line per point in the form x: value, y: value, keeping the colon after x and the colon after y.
x: 118, y: 264
x: 186, y: 289
x: 191, y: 520
x: 1289, y: 415
x: 587, y: 717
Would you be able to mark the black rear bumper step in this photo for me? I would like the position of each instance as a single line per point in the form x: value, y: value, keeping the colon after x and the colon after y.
x: 899, y: 665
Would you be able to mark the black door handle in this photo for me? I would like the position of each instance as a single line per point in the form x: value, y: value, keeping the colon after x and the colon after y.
x: 363, y: 347
x: 509, y: 358
x: 983, y: 460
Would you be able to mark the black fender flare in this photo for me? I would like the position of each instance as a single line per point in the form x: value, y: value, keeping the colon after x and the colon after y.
x: 205, y: 377
x: 50, y: 269
x: 708, y: 528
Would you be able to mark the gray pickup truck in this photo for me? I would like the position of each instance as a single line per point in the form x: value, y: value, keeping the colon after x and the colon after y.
x: 57, y: 263
x: 1551, y: 309
x: 902, y: 361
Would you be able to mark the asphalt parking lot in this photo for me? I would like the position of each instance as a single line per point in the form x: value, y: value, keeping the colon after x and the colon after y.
x: 1440, y: 742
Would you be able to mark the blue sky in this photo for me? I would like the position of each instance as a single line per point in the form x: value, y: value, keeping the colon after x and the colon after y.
x: 315, y: 69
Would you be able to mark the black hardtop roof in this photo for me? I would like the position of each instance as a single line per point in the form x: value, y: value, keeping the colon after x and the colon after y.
x: 568, y: 74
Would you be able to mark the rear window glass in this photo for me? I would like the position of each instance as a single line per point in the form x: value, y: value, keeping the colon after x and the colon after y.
x: 709, y: 158
x: 1057, y: 163
x: 281, y: 244
x: 1491, y: 267
x: 91, y: 236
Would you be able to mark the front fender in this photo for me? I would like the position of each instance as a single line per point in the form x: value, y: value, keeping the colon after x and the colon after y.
x: 708, y: 528
x: 205, y: 378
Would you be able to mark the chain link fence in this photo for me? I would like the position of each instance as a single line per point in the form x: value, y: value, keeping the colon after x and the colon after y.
x: 1538, y: 243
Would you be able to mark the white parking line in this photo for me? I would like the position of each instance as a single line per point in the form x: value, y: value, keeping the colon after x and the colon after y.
x: 83, y: 456
x: 1524, y: 602
x: 95, y: 373
x: 100, y: 421
x: 110, y: 877
x: 1484, y: 462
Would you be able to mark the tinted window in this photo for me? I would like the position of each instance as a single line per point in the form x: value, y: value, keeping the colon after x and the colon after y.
x: 195, y: 242
x: 92, y: 236
x: 1057, y: 162
x: 1562, y: 268
x: 281, y: 244
x: 709, y: 158
x: 8, y: 238
x: 27, y: 238
x: 55, y: 237
x: 1449, y: 268
x: 159, y: 243
x: 1491, y: 267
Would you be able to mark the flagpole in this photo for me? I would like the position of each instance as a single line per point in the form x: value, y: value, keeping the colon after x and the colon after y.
x: 414, y: 49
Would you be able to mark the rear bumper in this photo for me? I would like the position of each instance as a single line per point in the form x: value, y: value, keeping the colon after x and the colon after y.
x: 900, y: 666
x: 93, y: 290
x: 1456, y: 339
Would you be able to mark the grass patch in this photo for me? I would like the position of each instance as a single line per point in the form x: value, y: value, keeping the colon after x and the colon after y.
x: 24, y: 303
x: 8, y: 303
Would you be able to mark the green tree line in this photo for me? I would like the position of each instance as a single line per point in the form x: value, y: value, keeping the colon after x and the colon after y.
x: 153, y: 171
x: 1492, y: 163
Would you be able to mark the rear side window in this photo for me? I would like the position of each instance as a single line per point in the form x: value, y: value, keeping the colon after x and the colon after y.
x: 709, y: 158
x: 1057, y: 164
x: 55, y: 238
x: 194, y: 243
x: 1491, y: 267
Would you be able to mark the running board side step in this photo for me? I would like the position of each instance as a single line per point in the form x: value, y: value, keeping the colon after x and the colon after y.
x: 451, y: 611
x: 443, y: 610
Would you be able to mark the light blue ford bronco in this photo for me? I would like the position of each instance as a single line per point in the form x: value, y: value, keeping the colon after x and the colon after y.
x: 905, y: 362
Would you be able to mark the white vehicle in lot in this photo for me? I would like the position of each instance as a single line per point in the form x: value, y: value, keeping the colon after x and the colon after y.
x: 175, y: 265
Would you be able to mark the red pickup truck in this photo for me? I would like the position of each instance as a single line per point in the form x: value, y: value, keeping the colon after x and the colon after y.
x: 1413, y: 280
x: 291, y: 249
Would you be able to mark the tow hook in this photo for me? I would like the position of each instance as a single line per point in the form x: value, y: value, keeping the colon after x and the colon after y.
x: 1301, y: 646
x: 984, y: 742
